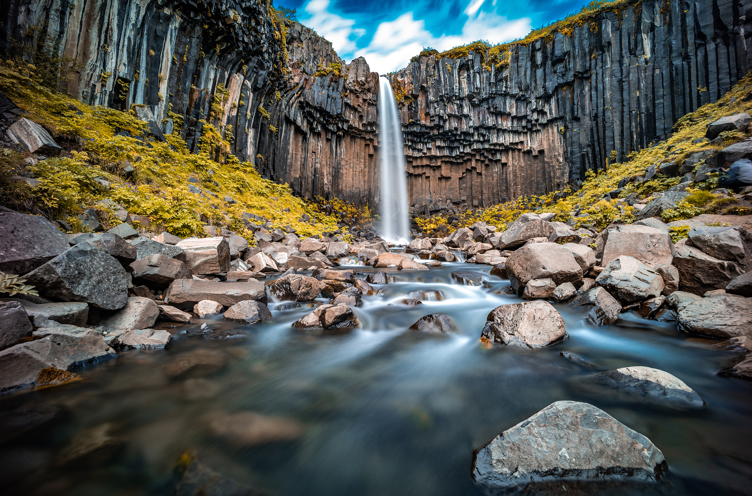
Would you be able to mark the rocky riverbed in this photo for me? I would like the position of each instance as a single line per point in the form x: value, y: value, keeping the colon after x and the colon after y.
x: 491, y: 362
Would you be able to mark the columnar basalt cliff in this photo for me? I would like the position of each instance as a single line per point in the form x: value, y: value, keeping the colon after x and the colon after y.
x: 480, y: 126
x: 480, y: 129
x: 290, y: 104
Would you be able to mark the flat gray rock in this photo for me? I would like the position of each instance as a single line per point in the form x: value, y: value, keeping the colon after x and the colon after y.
x: 652, y: 384
x: 138, y: 313
x: 144, y: 339
x: 73, y: 313
x: 145, y: 247
x: 630, y: 280
x: 435, y: 323
x: 724, y: 316
x: 567, y: 440
x: 185, y: 293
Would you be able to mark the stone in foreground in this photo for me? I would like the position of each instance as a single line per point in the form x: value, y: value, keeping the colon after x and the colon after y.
x: 527, y: 325
x: 173, y: 314
x: 139, y: 313
x: 159, y: 270
x: 85, y: 274
x: 296, y: 287
x: 567, y: 440
x: 652, y: 384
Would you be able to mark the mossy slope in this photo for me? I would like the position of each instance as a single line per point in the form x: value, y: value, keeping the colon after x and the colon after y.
x: 103, y: 142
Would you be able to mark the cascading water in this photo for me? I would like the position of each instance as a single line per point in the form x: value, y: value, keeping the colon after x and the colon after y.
x: 395, y: 217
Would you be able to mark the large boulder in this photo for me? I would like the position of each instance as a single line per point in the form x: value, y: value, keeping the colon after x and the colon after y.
x: 139, y: 313
x: 311, y: 245
x: 27, y: 242
x: 206, y: 255
x: 83, y: 273
x: 250, y: 312
x: 184, y: 293
x: 736, y: 122
x: 566, y: 440
x: 419, y: 244
x: 296, y: 287
x: 329, y: 318
x: 159, y: 270
x: 665, y: 201
x: 737, y: 151
x: 602, y: 308
x: 733, y: 244
x: 541, y: 261
x: 539, y: 289
x: 564, y: 233
x: 73, y: 313
x: 529, y: 325
x: 15, y: 323
x: 699, y: 272
x: 630, y: 280
x: 262, y: 262
x: 114, y: 245
x: 723, y: 316
x: 649, y: 245
x: 33, y: 137
x: 652, y: 384
x: 145, y: 247
x: 527, y: 226
x: 337, y: 249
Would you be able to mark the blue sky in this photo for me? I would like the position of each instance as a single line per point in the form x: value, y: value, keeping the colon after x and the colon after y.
x: 388, y: 32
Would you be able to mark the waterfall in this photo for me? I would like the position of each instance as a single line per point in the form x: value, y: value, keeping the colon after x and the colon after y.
x: 395, y: 216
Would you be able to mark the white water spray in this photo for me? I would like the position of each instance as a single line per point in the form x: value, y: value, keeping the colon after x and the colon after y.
x: 395, y: 216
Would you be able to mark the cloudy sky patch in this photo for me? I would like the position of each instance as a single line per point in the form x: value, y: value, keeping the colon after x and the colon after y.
x: 389, y: 32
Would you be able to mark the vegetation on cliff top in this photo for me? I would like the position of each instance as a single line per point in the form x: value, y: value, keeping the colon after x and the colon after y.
x: 591, y: 207
x: 499, y: 55
x: 177, y: 190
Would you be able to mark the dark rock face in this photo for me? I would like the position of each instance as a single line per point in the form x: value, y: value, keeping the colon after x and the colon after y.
x: 27, y: 241
x: 83, y: 273
x: 567, y: 440
x: 477, y: 132
x: 478, y: 135
x: 15, y: 323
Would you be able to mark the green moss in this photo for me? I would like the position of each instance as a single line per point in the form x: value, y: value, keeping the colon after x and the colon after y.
x: 158, y: 188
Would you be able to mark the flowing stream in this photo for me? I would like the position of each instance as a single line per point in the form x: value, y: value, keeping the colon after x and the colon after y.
x: 395, y: 215
x: 384, y: 411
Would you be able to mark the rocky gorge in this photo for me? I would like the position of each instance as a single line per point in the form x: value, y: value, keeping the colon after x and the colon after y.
x: 171, y: 322
x: 483, y: 125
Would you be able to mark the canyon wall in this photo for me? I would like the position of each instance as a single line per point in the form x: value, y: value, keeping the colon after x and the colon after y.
x: 480, y: 127
x: 480, y: 131
x: 289, y: 103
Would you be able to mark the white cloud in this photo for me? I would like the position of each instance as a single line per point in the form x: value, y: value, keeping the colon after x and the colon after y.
x: 334, y: 28
x: 396, y: 41
x: 473, y: 7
